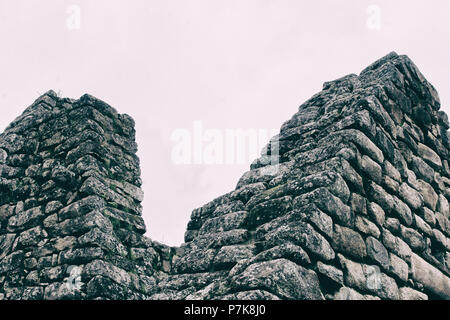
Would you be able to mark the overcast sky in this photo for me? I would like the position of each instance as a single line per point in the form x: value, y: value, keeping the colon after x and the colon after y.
x: 223, y: 64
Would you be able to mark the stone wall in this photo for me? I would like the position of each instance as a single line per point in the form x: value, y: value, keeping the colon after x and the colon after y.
x: 358, y: 207
x: 70, y: 213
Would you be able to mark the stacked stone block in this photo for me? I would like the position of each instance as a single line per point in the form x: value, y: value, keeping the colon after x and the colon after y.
x: 357, y: 208
x: 70, y: 213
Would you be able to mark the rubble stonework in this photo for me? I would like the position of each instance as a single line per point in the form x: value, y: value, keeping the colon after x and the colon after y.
x: 70, y: 213
x: 357, y: 208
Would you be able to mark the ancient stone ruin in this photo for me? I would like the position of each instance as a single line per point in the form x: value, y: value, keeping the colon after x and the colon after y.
x: 358, y: 207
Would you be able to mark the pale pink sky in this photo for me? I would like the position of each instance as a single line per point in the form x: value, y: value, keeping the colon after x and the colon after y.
x: 231, y: 64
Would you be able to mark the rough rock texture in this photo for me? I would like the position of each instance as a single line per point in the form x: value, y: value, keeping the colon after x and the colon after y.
x: 358, y: 207
x: 70, y: 213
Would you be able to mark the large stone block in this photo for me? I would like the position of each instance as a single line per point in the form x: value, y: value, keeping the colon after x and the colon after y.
x: 282, y: 278
x: 349, y: 241
x: 430, y: 277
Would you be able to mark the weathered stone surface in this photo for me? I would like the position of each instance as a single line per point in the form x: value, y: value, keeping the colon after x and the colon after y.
x: 81, y: 207
x: 349, y: 241
x: 362, y: 141
x: 367, y: 227
x: 331, y: 272
x: 103, y: 240
x: 443, y: 223
x: 302, y: 234
x: 12, y: 143
x: 282, y: 278
x: 11, y: 262
x: 80, y: 255
x: 398, y: 267
x: 94, y: 186
x: 52, y: 274
x: 6, y: 211
x: 355, y: 207
x: 346, y: 293
x: 444, y: 206
x: 402, y: 211
x: 430, y: 197
x: 82, y: 224
x: 377, y: 252
x: 108, y: 270
x: 377, y: 213
x: 195, y: 261
x: 31, y: 237
x: 440, y: 238
x: 392, y: 224
x: 218, y: 239
x: 328, y: 203
x: 381, y: 197
x: 358, y: 204
x: 61, y: 291
x: 251, y: 295
x: 287, y: 251
x: 396, y: 245
x: 429, y: 155
x: 390, y: 184
x: 230, y: 221
x: 429, y: 216
x: 26, y: 219
x: 268, y: 210
x: 411, y: 294
x: 413, y: 238
x: 422, y: 169
x: 391, y: 171
x: 422, y: 226
x: 317, y: 218
x: 230, y: 255
x: 333, y: 181
x: 413, y: 198
x: 430, y: 277
x: 370, y: 168
x: 3, y: 156
x: 366, y: 277
x: 6, y: 243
